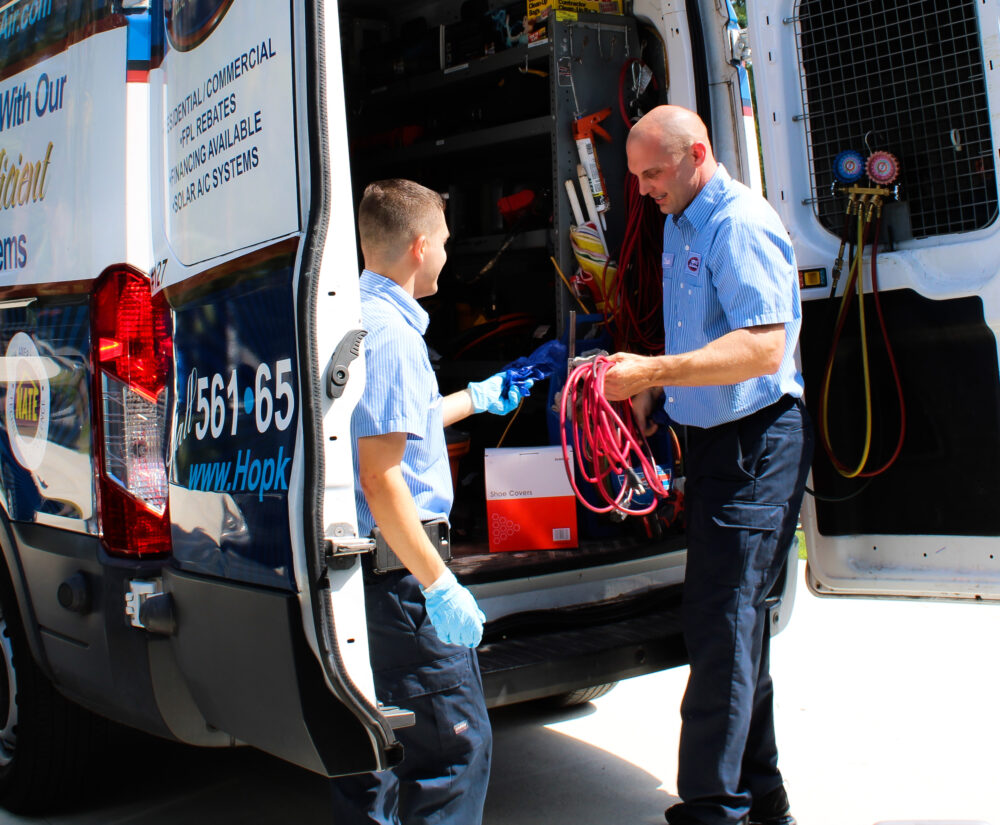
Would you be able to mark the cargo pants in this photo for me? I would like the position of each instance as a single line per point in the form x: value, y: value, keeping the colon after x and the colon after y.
x: 447, y: 753
x: 743, y: 492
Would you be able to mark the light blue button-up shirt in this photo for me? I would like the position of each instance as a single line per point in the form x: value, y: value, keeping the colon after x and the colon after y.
x: 728, y: 264
x: 401, y: 396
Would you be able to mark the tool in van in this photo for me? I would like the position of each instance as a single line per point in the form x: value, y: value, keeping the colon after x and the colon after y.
x: 574, y: 201
x: 596, y: 273
x: 594, y: 215
x: 585, y: 128
x: 863, y: 216
x: 514, y: 209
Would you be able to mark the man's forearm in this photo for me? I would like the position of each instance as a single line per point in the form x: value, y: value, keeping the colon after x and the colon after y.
x: 396, y: 515
x: 737, y: 356
x: 456, y: 406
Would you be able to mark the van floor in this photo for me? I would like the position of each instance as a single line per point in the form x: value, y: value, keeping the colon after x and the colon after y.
x: 473, y: 563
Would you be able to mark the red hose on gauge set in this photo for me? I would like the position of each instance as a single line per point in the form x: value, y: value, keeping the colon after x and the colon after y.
x: 605, y: 437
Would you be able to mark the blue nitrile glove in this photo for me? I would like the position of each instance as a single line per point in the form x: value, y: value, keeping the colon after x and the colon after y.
x: 453, y: 612
x: 493, y: 396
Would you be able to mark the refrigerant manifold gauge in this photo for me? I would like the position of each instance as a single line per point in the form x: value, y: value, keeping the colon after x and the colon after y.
x: 882, y: 168
x: 848, y: 166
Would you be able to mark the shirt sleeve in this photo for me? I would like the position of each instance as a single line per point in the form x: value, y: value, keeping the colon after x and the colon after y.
x: 397, y: 394
x: 753, y: 270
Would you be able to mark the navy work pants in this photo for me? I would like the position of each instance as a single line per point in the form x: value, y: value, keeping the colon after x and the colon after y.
x: 743, y: 492
x: 446, y: 764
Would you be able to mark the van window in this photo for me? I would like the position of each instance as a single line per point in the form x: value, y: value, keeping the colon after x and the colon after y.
x: 915, y: 87
x: 39, y: 28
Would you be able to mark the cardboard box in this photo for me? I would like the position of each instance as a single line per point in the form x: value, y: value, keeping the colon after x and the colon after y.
x: 529, y: 501
x: 536, y: 8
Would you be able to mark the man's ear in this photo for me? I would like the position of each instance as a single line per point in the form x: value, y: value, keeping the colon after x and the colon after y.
x: 700, y: 152
x: 419, y: 248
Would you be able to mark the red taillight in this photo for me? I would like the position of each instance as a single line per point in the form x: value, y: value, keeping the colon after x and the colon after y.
x: 132, y: 349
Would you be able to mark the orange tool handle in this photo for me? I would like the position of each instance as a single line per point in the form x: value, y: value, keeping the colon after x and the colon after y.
x: 588, y: 125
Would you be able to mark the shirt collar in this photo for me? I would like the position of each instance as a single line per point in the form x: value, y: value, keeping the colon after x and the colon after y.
x: 378, y: 286
x: 705, y: 202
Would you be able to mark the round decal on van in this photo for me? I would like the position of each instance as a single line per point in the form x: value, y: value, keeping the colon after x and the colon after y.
x: 189, y: 22
x: 27, y: 401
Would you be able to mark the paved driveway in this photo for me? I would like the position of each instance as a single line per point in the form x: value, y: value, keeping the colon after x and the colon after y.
x: 887, y: 711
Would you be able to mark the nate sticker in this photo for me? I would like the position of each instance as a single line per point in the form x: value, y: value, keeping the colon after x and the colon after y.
x: 27, y: 405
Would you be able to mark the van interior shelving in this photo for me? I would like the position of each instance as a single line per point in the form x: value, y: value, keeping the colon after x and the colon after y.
x: 436, y: 93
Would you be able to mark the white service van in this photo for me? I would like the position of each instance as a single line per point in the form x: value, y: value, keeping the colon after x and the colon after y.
x: 180, y: 326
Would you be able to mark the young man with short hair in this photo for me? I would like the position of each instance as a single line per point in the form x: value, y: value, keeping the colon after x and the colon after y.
x: 423, y: 625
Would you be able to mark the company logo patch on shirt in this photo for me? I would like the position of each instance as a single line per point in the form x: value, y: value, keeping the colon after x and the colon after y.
x: 668, y: 259
x: 694, y: 264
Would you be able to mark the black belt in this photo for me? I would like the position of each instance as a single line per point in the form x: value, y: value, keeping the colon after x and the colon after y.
x: 384, y: 560
x: 786, y: 402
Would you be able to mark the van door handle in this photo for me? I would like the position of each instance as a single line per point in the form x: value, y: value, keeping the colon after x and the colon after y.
x: 338, y: 370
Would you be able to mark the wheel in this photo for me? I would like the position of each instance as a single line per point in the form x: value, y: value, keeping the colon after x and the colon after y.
x: 579, y: 697
x: 47, y: 743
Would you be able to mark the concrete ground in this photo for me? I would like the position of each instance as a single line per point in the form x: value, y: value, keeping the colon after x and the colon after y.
x: 886, y: 712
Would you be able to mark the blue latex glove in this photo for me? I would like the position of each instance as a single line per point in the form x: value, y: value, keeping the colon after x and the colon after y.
x: 489, y: 395
x: 453, y: 612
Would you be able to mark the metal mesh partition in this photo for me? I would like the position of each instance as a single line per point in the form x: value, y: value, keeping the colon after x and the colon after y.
x: 908, y: 76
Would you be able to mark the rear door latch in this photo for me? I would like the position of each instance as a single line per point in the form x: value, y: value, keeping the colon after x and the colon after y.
x: 337, y: 371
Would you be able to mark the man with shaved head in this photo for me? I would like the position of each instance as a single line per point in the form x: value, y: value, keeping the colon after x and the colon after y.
x: 731, y: 315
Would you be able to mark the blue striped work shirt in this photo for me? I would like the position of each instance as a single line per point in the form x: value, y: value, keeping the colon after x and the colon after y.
x: 401, y: 396
x: 728, y: 264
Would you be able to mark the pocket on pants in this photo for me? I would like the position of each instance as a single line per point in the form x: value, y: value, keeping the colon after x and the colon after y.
x: 727, y: 539
x: 446, y: 697
x: 750, y: 515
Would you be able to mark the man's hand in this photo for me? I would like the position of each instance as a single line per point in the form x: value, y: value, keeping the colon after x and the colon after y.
x: 644, y: 405
x: 488, y: 395
x: 453, y: 612
x: 630, y: 375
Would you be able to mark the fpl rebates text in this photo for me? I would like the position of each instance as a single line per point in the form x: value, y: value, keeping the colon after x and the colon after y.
x: 207, y: 164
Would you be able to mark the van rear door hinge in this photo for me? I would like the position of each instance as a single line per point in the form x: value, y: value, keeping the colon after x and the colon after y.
x: 739, y: 47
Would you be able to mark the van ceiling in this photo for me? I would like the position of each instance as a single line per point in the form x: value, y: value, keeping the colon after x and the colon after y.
x: 398, y: 11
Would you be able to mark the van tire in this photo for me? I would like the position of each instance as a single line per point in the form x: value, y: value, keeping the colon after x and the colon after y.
x: 47, y: 743
x: 579, y: 697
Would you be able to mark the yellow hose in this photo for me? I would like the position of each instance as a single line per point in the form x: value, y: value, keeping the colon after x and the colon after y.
x: 856, y: 271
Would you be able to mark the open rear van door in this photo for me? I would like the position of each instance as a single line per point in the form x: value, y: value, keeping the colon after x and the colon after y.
x: 250, y: 225
x: 889, y: 112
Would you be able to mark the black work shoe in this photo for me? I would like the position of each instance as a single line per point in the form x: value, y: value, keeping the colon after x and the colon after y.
x: 675, y: 816
x: 772, y: 809
x: 784, y: 819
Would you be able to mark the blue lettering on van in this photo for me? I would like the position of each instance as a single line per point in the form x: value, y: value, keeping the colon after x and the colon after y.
x: 17, y: 18
x: 49, y: 94
x: 251, y: 475
x: 15, y: 106
x: 13, y: 252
